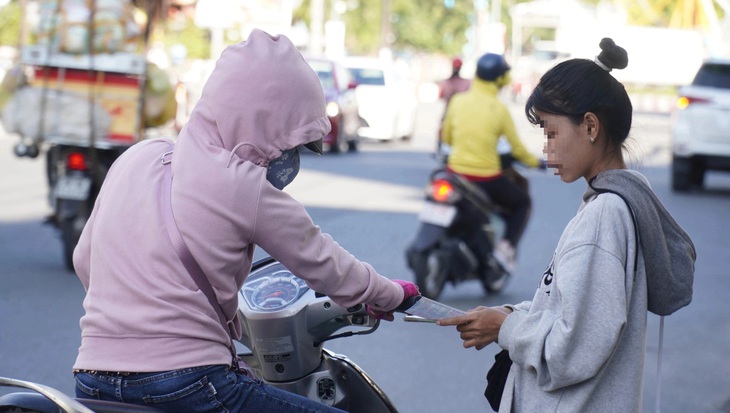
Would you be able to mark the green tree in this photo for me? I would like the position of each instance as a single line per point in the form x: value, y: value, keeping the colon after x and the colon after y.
x: 185, y: 32
x: 10, y: 24
x: 425, y: 25
x: 429, y: 26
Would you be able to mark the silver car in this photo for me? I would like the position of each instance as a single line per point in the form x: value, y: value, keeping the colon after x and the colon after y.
x: 701, y: 126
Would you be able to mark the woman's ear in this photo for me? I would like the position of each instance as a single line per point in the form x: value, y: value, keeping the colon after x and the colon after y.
x: 592, y: 125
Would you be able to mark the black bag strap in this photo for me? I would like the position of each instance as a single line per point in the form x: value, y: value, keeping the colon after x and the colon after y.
x: 183, y: 253
x: 497, y: 379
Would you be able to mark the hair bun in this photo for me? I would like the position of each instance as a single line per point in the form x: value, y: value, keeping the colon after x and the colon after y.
x: 612, y: 55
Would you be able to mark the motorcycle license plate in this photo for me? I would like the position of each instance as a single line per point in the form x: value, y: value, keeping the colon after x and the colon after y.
x: 437, y: 214
x: 75, y: 188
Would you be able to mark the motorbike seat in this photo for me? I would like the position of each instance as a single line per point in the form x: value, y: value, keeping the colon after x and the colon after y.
x: 472, y: 192
x: 37, y: 403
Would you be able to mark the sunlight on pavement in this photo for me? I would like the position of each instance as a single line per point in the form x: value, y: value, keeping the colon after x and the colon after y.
x: 23, y: 186
x: 323, y: 190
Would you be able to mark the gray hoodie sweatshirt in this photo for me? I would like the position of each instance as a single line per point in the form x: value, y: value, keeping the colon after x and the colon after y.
x: 579, y: 345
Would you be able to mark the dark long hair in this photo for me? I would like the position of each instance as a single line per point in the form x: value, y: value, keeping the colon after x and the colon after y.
x: 577, y: 86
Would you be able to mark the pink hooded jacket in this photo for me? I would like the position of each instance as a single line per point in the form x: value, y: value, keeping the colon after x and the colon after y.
x: 144, y: 312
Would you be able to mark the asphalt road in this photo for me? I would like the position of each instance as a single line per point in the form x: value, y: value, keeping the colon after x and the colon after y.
x: 369, y: 202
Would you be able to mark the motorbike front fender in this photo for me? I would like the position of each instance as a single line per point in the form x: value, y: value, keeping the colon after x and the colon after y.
x: 336, y: 382
x: 427, y: 237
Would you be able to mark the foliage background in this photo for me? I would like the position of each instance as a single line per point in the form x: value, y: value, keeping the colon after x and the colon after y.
x: 426, y: 26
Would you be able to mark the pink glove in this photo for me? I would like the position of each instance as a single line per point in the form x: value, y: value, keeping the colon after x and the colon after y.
x: 410, y: 291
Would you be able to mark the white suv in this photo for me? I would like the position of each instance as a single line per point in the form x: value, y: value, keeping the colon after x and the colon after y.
x: 701, y: 126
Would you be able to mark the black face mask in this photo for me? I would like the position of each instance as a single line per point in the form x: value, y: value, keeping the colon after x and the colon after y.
x: 284, y: 169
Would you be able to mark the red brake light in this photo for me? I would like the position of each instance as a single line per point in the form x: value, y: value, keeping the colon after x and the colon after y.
x: 441, y: 190
x: 685, y: 101
x: 77, y: 161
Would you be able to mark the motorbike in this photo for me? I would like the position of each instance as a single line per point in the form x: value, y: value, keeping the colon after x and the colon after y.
x: 45, y: 399
x: 82, y: 97
x: 75, y: 174
x: 459, y: 226
x: 284, y: 327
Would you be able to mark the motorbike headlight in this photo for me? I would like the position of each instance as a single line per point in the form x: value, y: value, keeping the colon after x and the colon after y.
x: 333, y: 109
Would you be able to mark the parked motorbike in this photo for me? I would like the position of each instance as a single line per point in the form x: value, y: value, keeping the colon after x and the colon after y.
x: 285, y: 325
x: 457, y: 234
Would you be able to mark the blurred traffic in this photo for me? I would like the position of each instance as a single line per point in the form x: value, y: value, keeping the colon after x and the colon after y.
x: 383, y: 91
x: 342, y: 106
x: 700, y: 124
x: 386, y: 96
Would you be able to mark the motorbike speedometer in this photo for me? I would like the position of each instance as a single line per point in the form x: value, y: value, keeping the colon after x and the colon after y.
x: 273, y: 291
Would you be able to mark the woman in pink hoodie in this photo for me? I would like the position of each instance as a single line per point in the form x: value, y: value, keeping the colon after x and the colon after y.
x: 150, y: 335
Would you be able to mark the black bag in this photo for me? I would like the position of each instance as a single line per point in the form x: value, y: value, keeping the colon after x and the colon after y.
x: 496, y: 378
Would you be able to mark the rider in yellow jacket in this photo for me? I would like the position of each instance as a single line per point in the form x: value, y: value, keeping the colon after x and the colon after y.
x: 475, y: 121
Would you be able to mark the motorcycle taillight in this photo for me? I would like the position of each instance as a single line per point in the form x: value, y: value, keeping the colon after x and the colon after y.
x: 76, y: 161
x: 442, y: 191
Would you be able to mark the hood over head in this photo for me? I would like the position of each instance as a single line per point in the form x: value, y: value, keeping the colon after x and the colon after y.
x: 261, y: 99
x: 669, y: 254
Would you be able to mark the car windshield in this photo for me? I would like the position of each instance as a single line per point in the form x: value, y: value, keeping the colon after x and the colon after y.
x: 364, y: 76
x: 713, y: 75
x: 324, y: 72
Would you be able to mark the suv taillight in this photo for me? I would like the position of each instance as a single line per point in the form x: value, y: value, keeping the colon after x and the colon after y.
x: 685, y: 101
x: 76, y: 161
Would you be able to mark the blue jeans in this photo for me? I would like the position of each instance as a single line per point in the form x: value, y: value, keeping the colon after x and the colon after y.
x: 195, y: 389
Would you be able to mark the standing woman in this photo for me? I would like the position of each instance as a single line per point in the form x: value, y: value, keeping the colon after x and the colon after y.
x: 579, y: 345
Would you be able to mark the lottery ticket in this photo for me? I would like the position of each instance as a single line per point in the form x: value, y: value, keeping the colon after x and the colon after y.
x: 430, y: 310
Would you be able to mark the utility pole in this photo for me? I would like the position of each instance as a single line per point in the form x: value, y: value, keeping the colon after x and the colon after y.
x: 385, y: 29
x: 316, y: 29
x: 24, y: 32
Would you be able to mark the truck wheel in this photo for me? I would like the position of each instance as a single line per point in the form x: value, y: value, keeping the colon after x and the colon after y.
x: 352, y: 145
x: 681, y: 174
x: 697, y: 176
x: 340, y: 144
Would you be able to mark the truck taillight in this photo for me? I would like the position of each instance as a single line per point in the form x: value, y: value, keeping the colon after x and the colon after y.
x: 442, y: 191
x: 76, y: 161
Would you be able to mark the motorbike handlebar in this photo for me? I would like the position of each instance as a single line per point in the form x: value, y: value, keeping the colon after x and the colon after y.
x: 407, y: 303
x: 325, y: 316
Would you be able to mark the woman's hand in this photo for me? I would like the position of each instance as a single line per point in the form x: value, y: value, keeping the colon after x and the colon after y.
x: 479, y: 327
x: 410, y: 291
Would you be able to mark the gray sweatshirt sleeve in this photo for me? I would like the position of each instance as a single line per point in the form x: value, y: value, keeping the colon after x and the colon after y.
x: 576, y: 318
